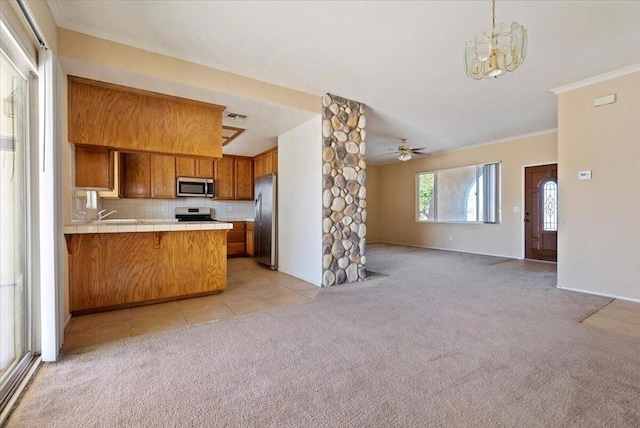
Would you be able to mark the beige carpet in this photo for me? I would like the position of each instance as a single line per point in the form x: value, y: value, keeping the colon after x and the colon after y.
x: 446, y: 340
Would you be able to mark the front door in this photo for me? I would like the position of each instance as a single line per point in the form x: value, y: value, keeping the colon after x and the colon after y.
x: 541, y: 212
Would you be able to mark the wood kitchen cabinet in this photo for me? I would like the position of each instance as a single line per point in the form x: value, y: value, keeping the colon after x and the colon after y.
x: 266, y: 162
x: 224, y: 178
x: 121, y: 118
x: 244, y: 178
x: 236, y: 245
x: 94, y: 168
x: 249, y: 238
x: 148, y: 176
x: 136, y: 175
x: 192, y: 167
x: 163, y: 177
x: 234, y: 178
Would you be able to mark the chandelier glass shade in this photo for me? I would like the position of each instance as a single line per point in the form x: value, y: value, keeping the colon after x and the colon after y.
x: 404, y: 156
x: 495, y: 50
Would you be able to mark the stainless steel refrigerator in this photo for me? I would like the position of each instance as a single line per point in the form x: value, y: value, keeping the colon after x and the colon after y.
x: 265, y: 230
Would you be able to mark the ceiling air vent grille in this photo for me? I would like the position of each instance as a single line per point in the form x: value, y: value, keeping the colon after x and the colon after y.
x: 237, y: 117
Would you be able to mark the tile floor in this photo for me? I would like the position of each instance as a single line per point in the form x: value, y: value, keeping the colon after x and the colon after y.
x: 250, y: 288
x: 619, y: 316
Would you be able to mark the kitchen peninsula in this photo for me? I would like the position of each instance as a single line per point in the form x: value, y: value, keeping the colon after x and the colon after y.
x: 115, y: 265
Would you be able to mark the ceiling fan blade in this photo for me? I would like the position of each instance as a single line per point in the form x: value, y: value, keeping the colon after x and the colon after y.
x: 388, y: 154
x: 419, y: 148
x: 421, y: 153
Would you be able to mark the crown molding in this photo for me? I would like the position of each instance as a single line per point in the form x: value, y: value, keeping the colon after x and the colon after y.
x: 473, y: 146
x: 501, y: 140
x: 597, y: 79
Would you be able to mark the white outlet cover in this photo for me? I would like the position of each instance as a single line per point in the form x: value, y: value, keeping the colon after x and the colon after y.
x: 516, y: 209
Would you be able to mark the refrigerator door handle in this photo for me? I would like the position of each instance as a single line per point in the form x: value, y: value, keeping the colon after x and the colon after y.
x: 259, y: 208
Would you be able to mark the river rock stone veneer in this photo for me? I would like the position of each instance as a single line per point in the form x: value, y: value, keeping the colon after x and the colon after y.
x: 344, y: 193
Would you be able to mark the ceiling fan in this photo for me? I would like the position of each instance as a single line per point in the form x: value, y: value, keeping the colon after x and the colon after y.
x: 406, y: 152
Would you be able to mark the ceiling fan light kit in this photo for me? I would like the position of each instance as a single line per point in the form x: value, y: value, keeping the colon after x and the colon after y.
x: 405, y: 156
x: 495, y: 50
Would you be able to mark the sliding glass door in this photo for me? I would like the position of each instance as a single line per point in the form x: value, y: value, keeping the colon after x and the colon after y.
x: 15, y: 332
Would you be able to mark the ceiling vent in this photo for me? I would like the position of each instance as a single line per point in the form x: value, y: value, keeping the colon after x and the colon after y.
x: 237, y: 117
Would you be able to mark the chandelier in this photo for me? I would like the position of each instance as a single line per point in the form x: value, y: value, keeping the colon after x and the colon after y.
x: 496, y: 50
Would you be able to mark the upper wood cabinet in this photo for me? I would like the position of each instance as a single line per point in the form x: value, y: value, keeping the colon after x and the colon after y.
x: 275, y: 160
x: 185, y: 167
x: 224, y: 178
x: 136, y: 175
x: 94, y: 168
x: 266, y: 163
x: 234, y: 178
x: 117, y: 117
x: 148, y: 176
x: 163, y: 177
x: 192, y: 167
x: 244, y: 178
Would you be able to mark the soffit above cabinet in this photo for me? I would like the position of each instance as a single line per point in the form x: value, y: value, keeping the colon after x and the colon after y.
x: 128, y: 119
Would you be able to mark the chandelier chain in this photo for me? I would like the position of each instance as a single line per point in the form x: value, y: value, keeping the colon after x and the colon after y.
x: 493, y: 27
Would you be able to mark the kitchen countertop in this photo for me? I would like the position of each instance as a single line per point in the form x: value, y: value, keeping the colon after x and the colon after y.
x: 145, y: 226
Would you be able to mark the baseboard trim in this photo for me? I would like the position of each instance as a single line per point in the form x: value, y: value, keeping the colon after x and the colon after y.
x: 597, y: 293
x: 444, y: 249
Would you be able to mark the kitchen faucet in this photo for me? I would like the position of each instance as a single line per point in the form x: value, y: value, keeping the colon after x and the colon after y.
x: 102, y: 217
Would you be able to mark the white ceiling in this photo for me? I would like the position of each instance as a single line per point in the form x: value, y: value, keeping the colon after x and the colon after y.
x: 403, y: 59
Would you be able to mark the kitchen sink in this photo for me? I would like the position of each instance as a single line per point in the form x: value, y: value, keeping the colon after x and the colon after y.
x: 116, y: 221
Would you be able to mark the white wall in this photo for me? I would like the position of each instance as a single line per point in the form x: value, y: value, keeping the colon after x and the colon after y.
x: 300, y: 201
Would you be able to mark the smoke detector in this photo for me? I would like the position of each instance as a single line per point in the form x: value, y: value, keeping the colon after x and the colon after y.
x: 237, y: 117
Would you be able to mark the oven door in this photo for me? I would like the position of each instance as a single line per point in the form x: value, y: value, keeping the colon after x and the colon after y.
x: 195, y: 187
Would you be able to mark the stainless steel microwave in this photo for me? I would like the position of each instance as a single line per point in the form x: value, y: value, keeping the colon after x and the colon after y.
x: 195, y: 187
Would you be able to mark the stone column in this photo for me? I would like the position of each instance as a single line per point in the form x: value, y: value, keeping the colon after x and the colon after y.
x: 344, y: 191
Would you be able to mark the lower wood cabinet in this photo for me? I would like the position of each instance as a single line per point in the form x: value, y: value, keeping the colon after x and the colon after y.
x: 249, y: 238
x: 236, y: 245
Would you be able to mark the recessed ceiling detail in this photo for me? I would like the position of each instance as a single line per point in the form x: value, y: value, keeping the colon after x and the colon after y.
x: 229, y: 133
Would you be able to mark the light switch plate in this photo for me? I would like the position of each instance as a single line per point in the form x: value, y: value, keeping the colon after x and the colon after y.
x: 516, y: 209
x: 584, y: 175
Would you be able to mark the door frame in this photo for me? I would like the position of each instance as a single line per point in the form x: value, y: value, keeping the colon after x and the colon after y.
x: 522, y: 198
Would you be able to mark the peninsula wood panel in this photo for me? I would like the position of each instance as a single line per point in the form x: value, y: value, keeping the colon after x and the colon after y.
x: 94, y: 168
x: 163, y: 177
x: 128, y: 119
x: 120, y: 269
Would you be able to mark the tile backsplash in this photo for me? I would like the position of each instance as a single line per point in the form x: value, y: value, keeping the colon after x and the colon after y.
x: 165, y: 208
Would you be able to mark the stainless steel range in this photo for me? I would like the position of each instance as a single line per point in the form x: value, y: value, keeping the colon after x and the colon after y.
x: 194, y: 214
